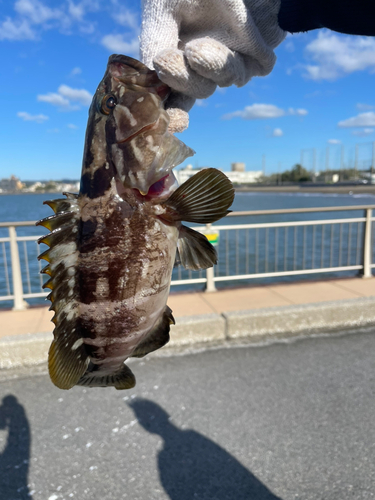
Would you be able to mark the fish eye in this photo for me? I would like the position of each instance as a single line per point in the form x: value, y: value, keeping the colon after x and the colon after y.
x: 108, y: 103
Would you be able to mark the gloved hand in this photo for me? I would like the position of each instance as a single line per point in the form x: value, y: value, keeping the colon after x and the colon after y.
x: 195, y: 45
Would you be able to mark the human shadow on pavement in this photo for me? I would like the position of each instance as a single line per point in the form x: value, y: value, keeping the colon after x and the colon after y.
x: 192, y: 466
x: 14, y: 459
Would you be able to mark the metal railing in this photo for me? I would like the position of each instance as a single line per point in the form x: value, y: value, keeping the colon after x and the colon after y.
x: 246, y: 251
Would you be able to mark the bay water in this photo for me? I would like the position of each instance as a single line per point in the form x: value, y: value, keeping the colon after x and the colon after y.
x: 29, y: 207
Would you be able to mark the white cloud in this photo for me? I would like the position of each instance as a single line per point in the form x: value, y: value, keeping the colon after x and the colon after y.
x: 277, y: 132
x: 16, y: 30
x: 54, y: 99
x: 363, y: 133
x: 334, y: 141
x: 124, y: 16
x: 75, y: 71
x: 72, y: 126
x: 364, y: 107
x: 299, y: 111
x: 256, y: 112
x: 76, y: 95
x: 32, y: 17
x: 65, y: 96
x: 263, y: 111
x: 339, y: 55
x: 118, y: 44
x: 362, y: 120
x: 201, y: 102
x: 36, y: 11
x: 32, y: 118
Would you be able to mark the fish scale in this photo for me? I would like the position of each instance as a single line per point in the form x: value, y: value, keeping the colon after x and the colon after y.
x: 114, y: 244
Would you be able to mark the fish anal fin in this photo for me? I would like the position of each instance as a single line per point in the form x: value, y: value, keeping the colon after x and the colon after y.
x: 158, y: 336
x: 194, y: 249
x: 125, y: 379
x: 120, y: 380
x: 66, y: 362
x: 204, y: 198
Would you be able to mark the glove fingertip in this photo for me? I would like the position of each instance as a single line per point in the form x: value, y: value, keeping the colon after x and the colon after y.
x: 178, y: 120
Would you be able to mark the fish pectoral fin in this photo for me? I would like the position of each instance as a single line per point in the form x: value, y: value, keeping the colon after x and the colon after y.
x: 67, y: 362
x: 204, y: 198
x: 177, y: 261
x: 158, y: 336
x: 195, y: 251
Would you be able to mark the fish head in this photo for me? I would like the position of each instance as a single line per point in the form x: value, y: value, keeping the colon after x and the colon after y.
x: 131, y: 99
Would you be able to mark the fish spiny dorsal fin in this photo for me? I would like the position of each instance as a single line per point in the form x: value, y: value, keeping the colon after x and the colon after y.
x: 68, y: 358
x: 204, y: 198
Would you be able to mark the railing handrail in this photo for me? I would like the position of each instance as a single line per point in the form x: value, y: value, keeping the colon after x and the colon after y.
x: 301, y: 210
x: 245, y: 213
x: 365, y: 266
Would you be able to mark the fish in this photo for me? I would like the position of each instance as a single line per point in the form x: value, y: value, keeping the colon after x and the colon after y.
x: 113, y: 246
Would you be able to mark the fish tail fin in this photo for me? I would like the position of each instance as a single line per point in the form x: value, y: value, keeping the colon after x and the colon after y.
x: 120, y: 380
x: 204, y: 198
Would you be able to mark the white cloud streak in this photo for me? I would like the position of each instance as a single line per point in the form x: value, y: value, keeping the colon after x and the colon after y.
x: 32, y: 118
x: 277, y: 132
x: 362, y: 120
x: 363, y: 133
x: 65, y: 96
x: 338, y: 55
x: 76, y: 95
x: 364, y: 107
x: 334, y: 141
x: 32, y: 17
x: 119, y: 44
x: 263, y: 111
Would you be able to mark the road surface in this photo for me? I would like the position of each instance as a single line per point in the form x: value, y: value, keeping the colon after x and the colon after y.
x: 285, y: 421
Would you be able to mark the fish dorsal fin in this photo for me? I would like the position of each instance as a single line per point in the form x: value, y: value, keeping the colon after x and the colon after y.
x: 204, y: 198
x: 194, y: 249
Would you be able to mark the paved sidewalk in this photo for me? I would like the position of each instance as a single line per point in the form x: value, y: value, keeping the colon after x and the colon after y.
x: 38, y: 319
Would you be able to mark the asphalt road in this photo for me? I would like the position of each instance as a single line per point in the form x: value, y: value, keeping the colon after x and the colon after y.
x: 285, y: 421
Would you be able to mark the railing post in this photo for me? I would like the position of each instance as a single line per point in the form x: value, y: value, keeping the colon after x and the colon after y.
x: 18, y: 303
x: 367, y: 246
x: 210, y: 284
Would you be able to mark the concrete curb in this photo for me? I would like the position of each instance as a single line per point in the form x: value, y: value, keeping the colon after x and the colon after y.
x: 254, y: 325
x: 290, y: 321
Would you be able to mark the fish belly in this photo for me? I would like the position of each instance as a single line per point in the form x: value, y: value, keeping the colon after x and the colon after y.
x: 124, y: 290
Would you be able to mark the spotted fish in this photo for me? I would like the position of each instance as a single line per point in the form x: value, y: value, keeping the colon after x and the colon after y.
x: 112, y: 246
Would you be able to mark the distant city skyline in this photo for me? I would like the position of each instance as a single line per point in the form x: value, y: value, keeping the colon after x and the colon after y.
x: 54, y: 54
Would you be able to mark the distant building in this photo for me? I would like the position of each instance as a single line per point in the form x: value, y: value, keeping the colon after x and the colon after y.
x: 11, y: 185
x: 238, y: 167
x: 237, y: 175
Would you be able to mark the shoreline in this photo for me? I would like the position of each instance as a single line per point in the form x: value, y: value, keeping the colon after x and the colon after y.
x: 356, y: 189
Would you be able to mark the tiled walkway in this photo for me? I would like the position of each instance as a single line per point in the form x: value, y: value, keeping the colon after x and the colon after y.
x: 37, y: 319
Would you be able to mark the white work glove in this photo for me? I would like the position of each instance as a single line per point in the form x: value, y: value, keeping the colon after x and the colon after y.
x: 195, y: 45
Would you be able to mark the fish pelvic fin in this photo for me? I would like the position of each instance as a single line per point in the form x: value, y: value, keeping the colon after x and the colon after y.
x: 158, y: 336
x: 194, y: 250
x: 204, y: 198
x: 120, y: 380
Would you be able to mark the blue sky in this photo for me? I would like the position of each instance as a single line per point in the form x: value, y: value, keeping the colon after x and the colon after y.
x: 54, y: 53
